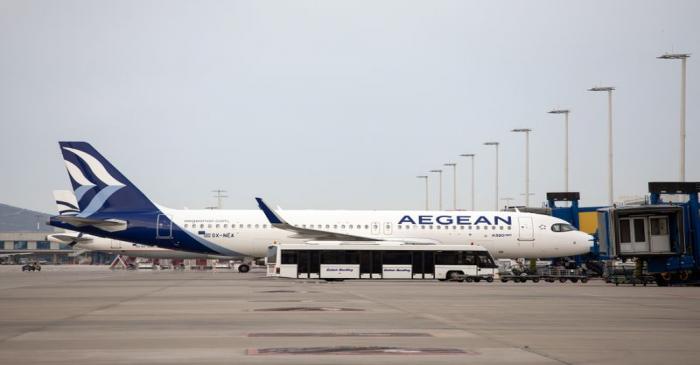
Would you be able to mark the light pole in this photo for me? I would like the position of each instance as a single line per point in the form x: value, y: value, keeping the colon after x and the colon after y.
x: 454, y: 184
x: 427, y: 207
x: 472, y: 157
x: 609, y: 89
x: 495, y: 144
x: 440, y: 190
x: 527, y: 162
x: 683, y: 57
x: 566, y: 144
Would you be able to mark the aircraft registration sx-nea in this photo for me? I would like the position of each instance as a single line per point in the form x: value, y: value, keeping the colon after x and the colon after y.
x: 110, y: 206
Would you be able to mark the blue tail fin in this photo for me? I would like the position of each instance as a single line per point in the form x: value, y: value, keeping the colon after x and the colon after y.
x: 99, y: 187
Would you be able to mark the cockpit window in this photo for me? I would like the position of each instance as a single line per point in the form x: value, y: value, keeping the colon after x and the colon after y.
x: 562, y: 227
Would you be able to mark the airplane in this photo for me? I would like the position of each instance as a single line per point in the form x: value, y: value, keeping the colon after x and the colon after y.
x: 67, y: 203
x: 110, y: 206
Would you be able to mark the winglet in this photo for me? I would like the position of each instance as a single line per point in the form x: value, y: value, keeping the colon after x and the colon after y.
x: 271, y: 215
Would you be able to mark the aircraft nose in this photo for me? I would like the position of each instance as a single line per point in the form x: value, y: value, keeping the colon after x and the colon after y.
x: 585, y: 240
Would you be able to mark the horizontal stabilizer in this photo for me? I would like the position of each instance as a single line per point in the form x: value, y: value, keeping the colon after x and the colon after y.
x: 67, y: 238
x: 110, y: 225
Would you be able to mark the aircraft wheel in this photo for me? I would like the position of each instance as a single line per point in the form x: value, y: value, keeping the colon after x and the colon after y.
x: 243, y: 268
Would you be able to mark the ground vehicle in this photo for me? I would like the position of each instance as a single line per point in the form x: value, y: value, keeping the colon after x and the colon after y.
x: 373, y: 260
x: 548, y: 274
x: 34, y: 266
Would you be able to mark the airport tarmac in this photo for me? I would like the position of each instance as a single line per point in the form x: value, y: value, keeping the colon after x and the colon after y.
x: 90, y: 315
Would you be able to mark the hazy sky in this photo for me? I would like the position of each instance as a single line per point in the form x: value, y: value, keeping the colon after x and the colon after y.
x: 340, y: 104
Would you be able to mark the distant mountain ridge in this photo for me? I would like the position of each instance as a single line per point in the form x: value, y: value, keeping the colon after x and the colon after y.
x: 15, y: 219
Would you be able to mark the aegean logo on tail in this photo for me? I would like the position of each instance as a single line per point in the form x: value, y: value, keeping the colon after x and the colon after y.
x: 99, y: 171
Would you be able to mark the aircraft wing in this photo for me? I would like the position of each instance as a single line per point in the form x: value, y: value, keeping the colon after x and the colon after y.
x: 314, y: 235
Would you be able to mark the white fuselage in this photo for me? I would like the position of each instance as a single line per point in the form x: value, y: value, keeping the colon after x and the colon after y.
x: 511, y: 235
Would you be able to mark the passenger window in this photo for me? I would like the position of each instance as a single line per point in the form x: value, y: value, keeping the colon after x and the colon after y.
x: 209, y: 226
x: 264, y: 225
x: 328, y: 226
x: 342, y: 227
x: 201, y: 226
x: 248, y: 225
x: 461, y: 227
x: 185, y: 225
x: 240, y: 226
x: 438, y: 227
x: 366, y: 226
x: 218, y: 226
x: 257, y: 226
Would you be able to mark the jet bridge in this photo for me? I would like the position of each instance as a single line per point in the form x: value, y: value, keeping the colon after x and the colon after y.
x: 662, y: 235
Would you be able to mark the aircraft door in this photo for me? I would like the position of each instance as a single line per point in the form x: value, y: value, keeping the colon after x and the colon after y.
x: 526, y: 230
x: 164, y: 227
x: 115, y: 244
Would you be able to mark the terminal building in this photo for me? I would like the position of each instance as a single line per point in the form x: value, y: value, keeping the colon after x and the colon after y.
x: 23, y: 239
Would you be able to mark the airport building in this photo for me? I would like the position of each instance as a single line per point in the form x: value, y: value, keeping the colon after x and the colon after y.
x: 23, y: 238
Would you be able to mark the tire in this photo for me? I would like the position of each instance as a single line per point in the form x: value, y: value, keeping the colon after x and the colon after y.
x: 504, y: 280
x: 660, y: 280
x: 453, y: 275
x: 469, y: 280
x: 574, y: 280
x: 243, y: 268
x: 562, y: 280
x: 477, y: 279
x: 489, y: 279
x: 535, y: 280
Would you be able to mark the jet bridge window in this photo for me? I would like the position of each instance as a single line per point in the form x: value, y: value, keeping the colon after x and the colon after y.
x: 562, y: 227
